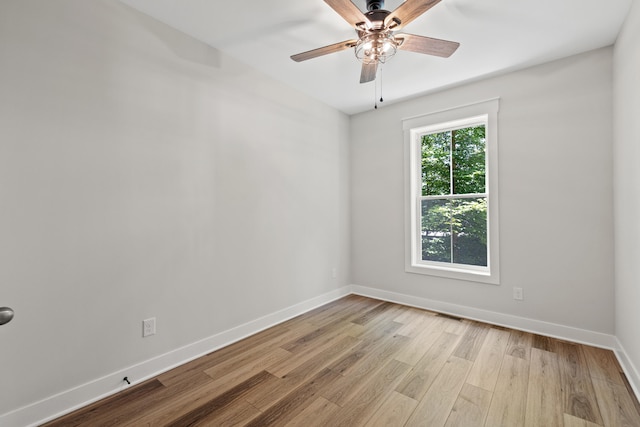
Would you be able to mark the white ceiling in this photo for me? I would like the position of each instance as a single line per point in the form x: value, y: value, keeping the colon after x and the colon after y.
x: 494, y: 35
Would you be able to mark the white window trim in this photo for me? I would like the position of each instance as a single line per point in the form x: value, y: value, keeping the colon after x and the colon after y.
x: 472, y: 113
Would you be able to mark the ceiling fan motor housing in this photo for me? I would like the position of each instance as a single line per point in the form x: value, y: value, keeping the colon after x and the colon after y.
x: 376, y: 20
x: 375, y: 4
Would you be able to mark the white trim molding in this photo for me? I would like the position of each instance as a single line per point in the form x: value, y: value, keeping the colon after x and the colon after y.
x: 554, y: 330
x: 630, y: 370
x: 78, y: 397
x: 480, y: 113
x: 70, y: 400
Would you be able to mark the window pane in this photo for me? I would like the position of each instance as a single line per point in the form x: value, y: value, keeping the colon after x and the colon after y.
x: 436, y: 230
x: 469, y: 231
x: 468, y: 160
x: 436, y: 164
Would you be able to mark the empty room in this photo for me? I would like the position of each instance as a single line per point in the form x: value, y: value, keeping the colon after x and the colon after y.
x: 319, y: 213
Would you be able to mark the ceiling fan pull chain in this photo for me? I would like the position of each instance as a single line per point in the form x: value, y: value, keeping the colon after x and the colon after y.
x: 375, y: 84
x: 375, y: 94
x: 381, y: 100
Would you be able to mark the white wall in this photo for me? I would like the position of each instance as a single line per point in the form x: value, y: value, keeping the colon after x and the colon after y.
x: 555, y: 168
x: 627, y: 188
x: 145, y: 174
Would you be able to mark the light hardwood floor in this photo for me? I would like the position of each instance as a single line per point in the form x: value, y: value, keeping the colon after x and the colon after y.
x: 363, y: 362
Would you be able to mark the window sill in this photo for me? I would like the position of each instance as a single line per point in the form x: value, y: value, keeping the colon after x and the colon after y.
x: 454, y: 273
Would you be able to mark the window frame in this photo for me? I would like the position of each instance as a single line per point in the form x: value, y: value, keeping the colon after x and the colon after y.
x: 486, y: 113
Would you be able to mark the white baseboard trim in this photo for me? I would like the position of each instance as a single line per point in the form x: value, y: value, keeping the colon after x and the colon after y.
x: 567, y: 333
x: 629, y: 368
x: 554, y: 330
x: 70, y: 400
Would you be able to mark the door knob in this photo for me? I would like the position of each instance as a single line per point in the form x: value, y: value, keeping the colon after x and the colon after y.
x: 6, y: 314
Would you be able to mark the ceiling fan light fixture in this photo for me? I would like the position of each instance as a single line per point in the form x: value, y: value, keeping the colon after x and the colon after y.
x: 377, y: 40
x: 377, y: 46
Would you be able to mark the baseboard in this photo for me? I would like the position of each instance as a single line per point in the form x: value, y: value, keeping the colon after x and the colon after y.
x: 70, y: 400
x: 629, y: 369
x: 554, y: 330
x: 567, y: 333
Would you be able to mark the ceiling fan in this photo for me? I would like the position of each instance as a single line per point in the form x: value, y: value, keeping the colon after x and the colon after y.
x: 377, y: 40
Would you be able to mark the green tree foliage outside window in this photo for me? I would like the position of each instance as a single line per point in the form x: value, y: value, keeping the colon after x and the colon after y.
x: 454, y: 227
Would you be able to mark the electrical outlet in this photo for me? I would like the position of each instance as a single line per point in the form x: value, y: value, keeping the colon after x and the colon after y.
x: 334, y: 272
x: 517, y: 294
x: 149, y: 327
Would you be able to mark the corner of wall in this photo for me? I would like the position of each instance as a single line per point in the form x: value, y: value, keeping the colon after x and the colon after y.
x: 629, y: 368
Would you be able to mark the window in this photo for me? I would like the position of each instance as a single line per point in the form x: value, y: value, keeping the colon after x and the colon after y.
x: 452, y: 228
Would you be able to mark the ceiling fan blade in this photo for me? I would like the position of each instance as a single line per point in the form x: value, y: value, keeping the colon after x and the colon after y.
x: 407, y: 12
x: 349, y: 12
x: 427, y: 45
x: 332, y: 48
x: 368, y: 72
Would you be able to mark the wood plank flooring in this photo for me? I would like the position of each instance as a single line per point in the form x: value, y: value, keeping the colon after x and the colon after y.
x: 363, y: 362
